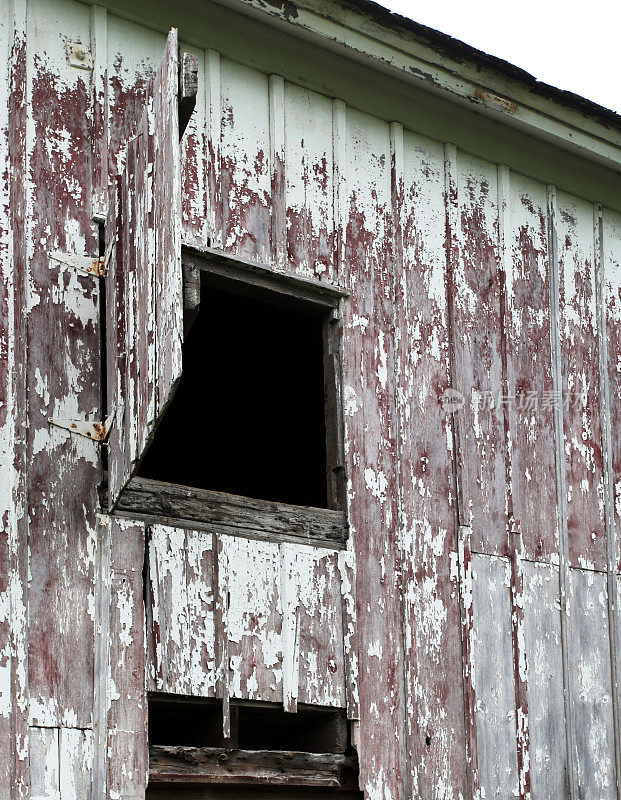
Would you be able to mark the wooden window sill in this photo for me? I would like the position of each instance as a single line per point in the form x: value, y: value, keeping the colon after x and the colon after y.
x: 167, y: 503
x: 211, y: 765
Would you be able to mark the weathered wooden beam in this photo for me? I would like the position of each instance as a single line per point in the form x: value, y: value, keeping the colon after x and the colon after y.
x: 188, y: 88
x: 231, y: 514
x: 255, y: 275
x: 213, y: 765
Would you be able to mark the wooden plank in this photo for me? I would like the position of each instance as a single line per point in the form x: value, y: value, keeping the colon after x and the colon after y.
x: 312, y: 627
x: 189, y: 765
x: 194, y: 159
x: 347, y: 571
x: 63, y: 372
x: 464, y: 532
x: 276, y: 89
x: 258, y: 274
x: 251, y: 572
x: 13, y: 410
x: 611, y: 268
x: 433, y: 661
x: 515, y: 540
x: 134, y: 54
x: 167, y: 212
x: 245, y: 168
x: 44, y: 759
x: 580, y: 387
x: 213, y: 134
x: 200, y: 557
x: 527, y: 276
x: 142, y: 359
x: 181, y: 615
x: 561, y: 482
x: 477, y: 357
x: 224, y: 513
x: 116, y: 321
x: 339, y: 193
x: 368, y: 386
x: 600, y: 232
x: 8, y: 412
x: 493, y: 677
x: 99, y: 87
x: 590, y: 675
x: 76, y: 759
x: 223, y: 677
x: 309, y: 182
x: 127, y: 716
x: 170, y: 609
x: 542, y: 644
x: 101, y: 660
x: 150, y: 316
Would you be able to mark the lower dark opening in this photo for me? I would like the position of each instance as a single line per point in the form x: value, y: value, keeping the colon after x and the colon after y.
x: 248, y: 417
x: 189, y: 731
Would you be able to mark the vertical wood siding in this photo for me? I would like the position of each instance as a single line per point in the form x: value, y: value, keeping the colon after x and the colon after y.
x: 13, y: 502
x: 472, y: 624
x: 62, y: 371
x: 427, y: 512
x: 282, y: 631
x: 144, y: 312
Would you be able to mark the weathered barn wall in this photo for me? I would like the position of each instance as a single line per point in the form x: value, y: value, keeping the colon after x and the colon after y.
x: 484, y: 558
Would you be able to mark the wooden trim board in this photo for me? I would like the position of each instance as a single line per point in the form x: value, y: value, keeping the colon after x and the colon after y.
x: 168, y: 503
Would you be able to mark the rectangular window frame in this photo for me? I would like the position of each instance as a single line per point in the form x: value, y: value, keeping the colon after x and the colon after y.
x: 251, y: 517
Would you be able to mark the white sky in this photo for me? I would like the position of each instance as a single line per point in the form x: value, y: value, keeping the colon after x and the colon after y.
x: 574, y: 45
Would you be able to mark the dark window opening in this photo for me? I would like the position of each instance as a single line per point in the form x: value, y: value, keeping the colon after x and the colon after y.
x: 248, y: 417
x: 185, y: 722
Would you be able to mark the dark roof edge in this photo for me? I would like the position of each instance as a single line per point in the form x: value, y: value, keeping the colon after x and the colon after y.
x: 457, y: 50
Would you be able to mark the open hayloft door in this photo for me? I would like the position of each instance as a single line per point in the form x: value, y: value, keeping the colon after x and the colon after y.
x: 144, y: 294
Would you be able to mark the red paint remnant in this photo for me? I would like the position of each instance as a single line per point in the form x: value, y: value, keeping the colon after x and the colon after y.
x: 63, y: 343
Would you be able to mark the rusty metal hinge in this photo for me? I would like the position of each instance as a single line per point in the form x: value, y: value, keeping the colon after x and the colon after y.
x: 86, y: 265
x: 97, y: 431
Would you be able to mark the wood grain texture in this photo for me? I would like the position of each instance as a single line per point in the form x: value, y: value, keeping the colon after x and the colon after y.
x: 477, y: 356
x: 493, y: 678
x: 611, y: 298
x: 432, y: 644
x: 13, y: 411
x: 134, y: 53
x: 533, y: 484
x: 542, y: 644
x: 100, y: 131
x: 126, y: 723
x: 245, y: 176
x: 580, y: 387
x: 370, y: 426
x: 194, y: 160
x: 60, y: 763
x: 216, y: 766
x: 149, y: 307
x: 224, y: 513
x: 309, y: 172
x: 63, y: 373
x: 257, y: 620
x: 181, y: 579
x: 313, y: 658
x: 592, y: 713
